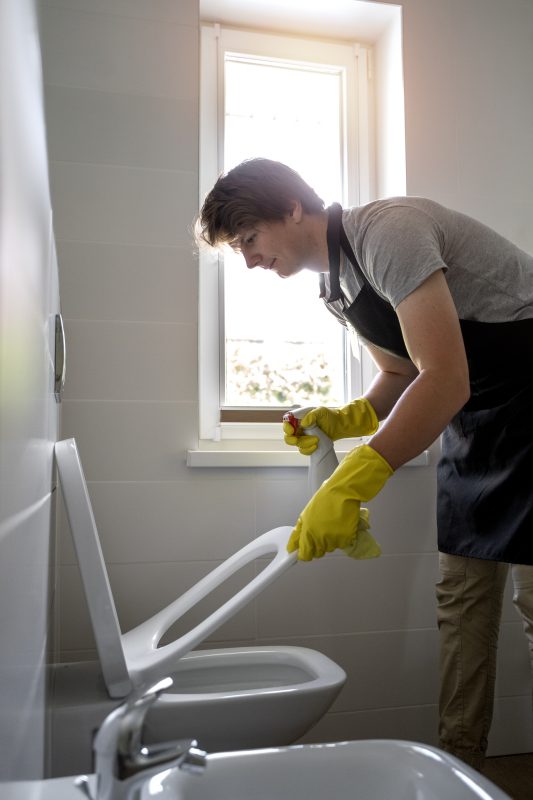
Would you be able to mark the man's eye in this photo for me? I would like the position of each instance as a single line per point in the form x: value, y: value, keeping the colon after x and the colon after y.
x: 250, y: 239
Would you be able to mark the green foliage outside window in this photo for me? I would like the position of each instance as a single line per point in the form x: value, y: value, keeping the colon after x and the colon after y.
x: 297, y: 375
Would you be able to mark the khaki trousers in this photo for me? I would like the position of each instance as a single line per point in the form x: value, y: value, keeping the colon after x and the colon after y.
x: 469, y: 605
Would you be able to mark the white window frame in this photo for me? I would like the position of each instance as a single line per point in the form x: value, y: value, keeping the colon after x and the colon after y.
x: 359, y: 182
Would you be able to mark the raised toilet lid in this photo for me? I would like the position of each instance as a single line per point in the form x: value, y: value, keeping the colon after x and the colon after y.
x: 135, y: 657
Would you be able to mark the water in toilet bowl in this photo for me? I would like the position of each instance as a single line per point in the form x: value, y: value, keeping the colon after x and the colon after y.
x: 232, y: 678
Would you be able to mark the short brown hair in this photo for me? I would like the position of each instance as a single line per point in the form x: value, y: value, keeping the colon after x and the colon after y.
x: 257, y: 190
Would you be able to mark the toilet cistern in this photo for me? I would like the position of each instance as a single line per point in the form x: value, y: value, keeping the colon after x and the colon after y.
x: 123, y: 763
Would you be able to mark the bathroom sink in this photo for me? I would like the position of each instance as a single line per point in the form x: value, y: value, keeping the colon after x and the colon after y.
x: 362, y: 770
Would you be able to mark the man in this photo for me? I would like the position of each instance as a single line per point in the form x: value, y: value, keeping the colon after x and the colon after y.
x: 444, y: 305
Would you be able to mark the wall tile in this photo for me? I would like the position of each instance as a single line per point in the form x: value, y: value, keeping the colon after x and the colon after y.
x: 430, y: 81
x: 280, y: 501
x: 132, y: 441
x: 415, y: 723
x: 337, y: 595
x: 75, y: 625
x: 119, y: 54
x: 140, y: 590
x: 514, y: 668
x: 131, y: 361
x: 128, y: 282
x: 184, y: 13
x: 399, y: 521
x: 507, y: 215
x: 98, y: 127
x: 173, y: 521
x: 138, y: 441
x: 157, y: 585
x: 509, y: 612
x: 66, y: 553
x: 479, y: 98
x: 68, y: 656
x: 119, y: 205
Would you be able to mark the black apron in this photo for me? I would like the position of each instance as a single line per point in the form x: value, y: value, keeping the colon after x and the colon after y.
x: 485, y: 474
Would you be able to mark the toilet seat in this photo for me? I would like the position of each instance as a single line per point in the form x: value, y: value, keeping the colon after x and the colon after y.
x: 134, y: 658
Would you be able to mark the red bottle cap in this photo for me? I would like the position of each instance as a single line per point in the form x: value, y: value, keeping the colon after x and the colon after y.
x: 292, y: 420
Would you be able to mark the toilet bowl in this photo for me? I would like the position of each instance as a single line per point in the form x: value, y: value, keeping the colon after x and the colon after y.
x: 247, y: 697
x: 227, y: 698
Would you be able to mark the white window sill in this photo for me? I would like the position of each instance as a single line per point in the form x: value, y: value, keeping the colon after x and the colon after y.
x: 248, y: 453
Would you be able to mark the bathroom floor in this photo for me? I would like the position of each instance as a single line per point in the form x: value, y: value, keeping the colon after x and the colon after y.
x: 513, y: 774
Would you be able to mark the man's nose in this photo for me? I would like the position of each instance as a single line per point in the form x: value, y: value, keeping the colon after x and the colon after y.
x: 252, y: 260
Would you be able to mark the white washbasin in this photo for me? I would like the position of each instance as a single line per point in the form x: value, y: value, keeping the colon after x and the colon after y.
x: 362, y: 770
x: 365, y: 770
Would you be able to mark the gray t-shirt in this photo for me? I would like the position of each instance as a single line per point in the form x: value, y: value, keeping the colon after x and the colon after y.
x: 401, y: 241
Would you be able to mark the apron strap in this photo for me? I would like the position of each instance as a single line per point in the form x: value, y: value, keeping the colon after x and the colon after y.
x: 336, y: 238
x: 334, y: 255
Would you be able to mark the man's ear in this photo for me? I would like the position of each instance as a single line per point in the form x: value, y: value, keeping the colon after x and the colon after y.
x: 296, y: 211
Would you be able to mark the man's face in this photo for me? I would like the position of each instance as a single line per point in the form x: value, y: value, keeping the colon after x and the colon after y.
x: 273, y: 246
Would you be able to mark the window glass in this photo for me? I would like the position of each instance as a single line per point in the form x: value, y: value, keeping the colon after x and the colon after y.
x: 281, y: 345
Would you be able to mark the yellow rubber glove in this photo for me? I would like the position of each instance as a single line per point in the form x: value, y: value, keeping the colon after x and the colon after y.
x: 358, y: 418
x: 330, y: 519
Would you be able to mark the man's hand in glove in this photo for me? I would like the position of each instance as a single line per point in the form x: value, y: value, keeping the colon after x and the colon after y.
x: 330, y: 519
x: 358, y: 418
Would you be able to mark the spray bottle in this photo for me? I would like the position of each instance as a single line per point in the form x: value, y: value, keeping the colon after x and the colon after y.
x: 322, y: 463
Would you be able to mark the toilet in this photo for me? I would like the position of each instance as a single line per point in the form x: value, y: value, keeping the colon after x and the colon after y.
x: 227, y: 698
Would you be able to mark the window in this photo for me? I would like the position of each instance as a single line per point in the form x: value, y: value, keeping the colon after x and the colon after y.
x: 267, y: 344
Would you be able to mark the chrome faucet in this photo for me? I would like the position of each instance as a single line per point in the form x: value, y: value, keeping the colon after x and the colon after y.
x: 123, y: 763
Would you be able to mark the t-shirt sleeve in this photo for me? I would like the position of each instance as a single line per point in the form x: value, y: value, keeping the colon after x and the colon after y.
x: 402, y: 246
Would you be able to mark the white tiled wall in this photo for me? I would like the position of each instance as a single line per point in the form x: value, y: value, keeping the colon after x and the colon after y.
x: 121, y: 99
